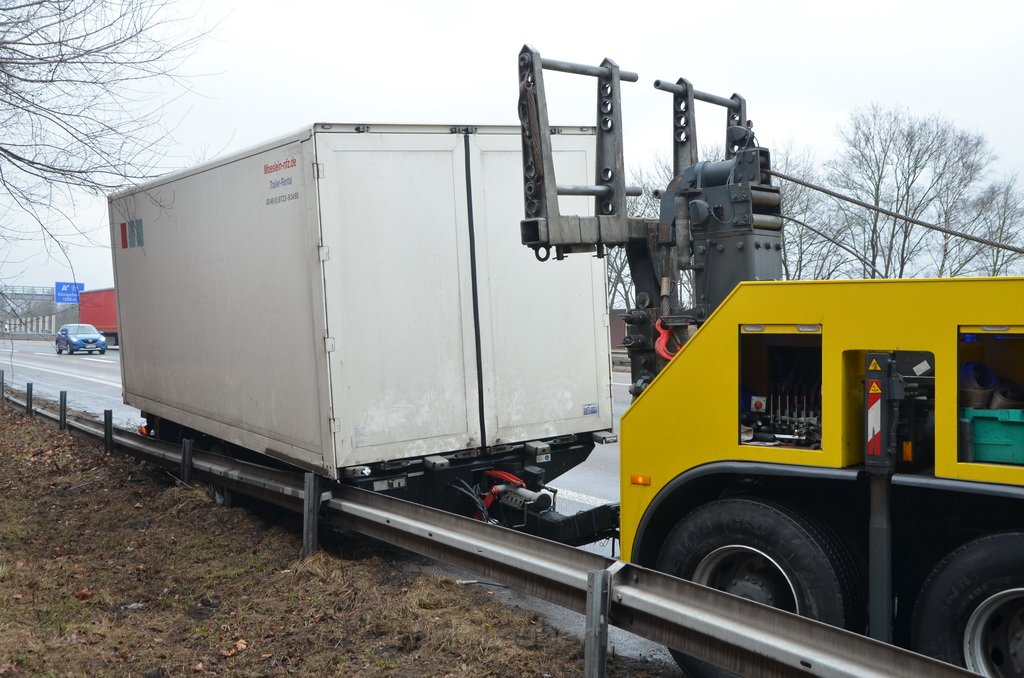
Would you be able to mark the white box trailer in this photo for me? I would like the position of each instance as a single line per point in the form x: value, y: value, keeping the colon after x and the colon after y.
x: 352, y: 295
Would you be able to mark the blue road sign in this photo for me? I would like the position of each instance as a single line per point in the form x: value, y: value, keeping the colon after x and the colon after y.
x: 67, y: 292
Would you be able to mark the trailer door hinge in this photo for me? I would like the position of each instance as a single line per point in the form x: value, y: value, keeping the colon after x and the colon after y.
x: 329, y: 344
x: 324, y: 252
x: 318, y: 170
x: 335, y: 425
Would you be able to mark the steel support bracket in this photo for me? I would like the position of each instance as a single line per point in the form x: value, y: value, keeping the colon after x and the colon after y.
x: 186, y: 461
x: 108, y: 430
x: 599, y: 600
x: 312, y: 500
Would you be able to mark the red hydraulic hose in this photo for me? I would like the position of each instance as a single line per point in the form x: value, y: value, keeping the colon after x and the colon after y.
x: 498, y: 488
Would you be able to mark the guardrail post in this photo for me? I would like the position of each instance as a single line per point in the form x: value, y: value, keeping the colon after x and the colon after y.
x: 108, y: 430
x: 223, y: 496
x: 63, y: 410
x: 186, y: 461
x: 595, y: 647
x: 310, y: 514
x: 28, y: 398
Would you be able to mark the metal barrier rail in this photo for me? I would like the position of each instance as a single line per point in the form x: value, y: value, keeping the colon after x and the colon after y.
x: 742, y: 636
x: 23, y: 291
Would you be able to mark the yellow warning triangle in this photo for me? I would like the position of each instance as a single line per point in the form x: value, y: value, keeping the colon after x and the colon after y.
x: 873, y: 367
x: 874, y: 388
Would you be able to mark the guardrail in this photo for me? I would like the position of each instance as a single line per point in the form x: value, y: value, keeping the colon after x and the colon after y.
x: 737, y: 634
x: 27, y: 336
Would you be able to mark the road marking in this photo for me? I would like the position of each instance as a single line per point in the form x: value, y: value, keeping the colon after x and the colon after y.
x: 99, y: 360
x: 29, y: 366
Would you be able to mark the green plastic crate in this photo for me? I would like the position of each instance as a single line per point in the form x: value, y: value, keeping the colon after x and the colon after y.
x: 996, y: 435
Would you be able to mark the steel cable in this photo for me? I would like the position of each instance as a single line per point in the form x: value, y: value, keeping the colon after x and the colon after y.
x: 848, y: 250
x: 897, y: 215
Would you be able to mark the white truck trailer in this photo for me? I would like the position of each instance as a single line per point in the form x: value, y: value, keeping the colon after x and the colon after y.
x: 353, y: 300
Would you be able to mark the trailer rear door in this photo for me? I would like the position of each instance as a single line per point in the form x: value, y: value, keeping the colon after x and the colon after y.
x: 398, y: 294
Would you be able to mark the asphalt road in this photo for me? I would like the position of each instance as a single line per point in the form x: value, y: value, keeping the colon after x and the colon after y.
x: 93, y: 382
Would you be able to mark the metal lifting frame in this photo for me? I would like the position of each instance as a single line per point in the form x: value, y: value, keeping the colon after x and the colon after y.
x: 650, y: 247
x: 720, y: 220
x: 544, y: 226
x: 684, y: 129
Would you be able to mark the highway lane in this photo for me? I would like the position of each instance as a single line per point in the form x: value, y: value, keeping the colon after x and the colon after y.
x: 605, y: 458
x: 93, y: 382
x: 596, y: 481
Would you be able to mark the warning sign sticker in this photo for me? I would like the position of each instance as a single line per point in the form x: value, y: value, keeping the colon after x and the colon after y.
x: 874, y: 367
x: 874, y: 419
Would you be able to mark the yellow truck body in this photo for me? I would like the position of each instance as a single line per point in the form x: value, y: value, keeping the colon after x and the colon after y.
x: 688, y: 417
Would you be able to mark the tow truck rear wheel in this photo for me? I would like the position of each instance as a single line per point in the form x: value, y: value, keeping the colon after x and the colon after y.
x: 971, y: 608
x: 769, y: 553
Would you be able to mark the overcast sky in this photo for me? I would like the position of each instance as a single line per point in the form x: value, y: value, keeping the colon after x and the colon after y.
x: 270, y: 68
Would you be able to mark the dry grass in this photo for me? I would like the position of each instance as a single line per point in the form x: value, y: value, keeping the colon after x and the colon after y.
x: 110, y: 567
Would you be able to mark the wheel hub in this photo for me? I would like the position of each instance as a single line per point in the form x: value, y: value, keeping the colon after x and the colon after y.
x: 748, y: 573
x: 994, y: 636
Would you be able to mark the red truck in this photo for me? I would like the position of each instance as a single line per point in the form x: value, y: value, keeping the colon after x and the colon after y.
x: 99, y: 309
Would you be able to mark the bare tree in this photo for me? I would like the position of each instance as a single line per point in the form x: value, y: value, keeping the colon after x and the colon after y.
x: 620, y: 282
x: 83, y: 86
x: 921, y: 167
x: 809, y: 237
x: 961, y: 165
x: 1001, y: 211
x: 862, y: 170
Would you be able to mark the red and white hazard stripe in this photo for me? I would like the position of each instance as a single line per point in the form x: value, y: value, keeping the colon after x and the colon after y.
x: 874, y: 418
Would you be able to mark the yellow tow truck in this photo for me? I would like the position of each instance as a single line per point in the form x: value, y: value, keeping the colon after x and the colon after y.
x: 847, y: 450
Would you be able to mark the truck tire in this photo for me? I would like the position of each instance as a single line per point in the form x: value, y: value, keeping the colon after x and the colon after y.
x: 971, y: 608
x: 769, y: 553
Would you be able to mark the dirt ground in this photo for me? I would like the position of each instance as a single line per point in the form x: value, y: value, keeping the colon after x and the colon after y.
x: 109, y: 567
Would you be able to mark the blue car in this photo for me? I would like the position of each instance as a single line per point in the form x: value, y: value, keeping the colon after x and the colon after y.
x: 73, y: 338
